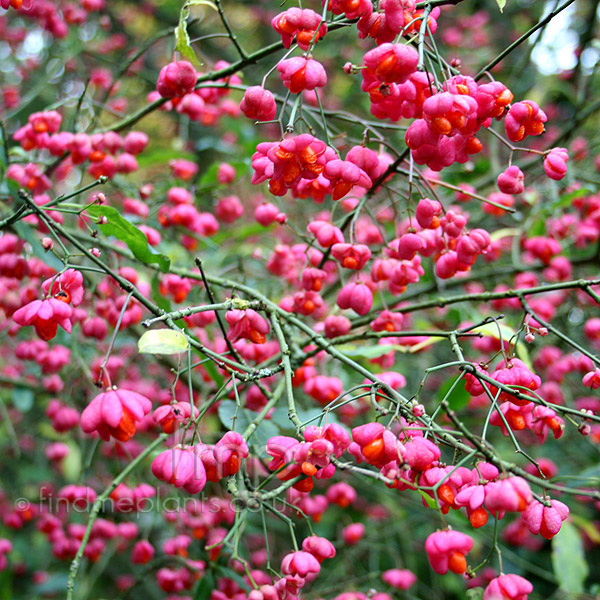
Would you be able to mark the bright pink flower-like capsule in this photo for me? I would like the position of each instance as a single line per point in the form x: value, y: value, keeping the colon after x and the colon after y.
x: 278, y: 447
x: 45, y: 122
x: 295, y: 158
x: 305, y: 24
x: 247, y: 324
x: 229, y: 451
x: 420, y: 453
x: 447, y: 550
x: 508, y: 587
x: 447, y: 265
x: 470, y: 245
x: 366, y: 159
x: 323, y: 389
x: 175, y: 286
x: 327, y: 234
x: 391, y: 63
x: 266, y: 214
x: 126, y: 163
x: 543, y: 248
x: 258, y: 104
x: 229, y: 209
x: 510, y: 181
x: 353, y: 533
x: 512, y: 494
x: 299, y: 74
x: 57, y: 451
x: 333, y: 433
x: 449, y: 114
x: 135, y: 142
x: 63, y: 417
x: 343, y: 176
x: 428, y: 213
x: 404, y: 273
x: 184, y: 169
x: 336, y: 325
x: 555, y: 163
x: 342, y: 494
x: 592, y: 379
x: 312, y: 279
x: 388, y: 321
x: 545, y: 520
x: 179, y: 195
x: 356, y: 296
x: 176, y: 79
x: 523, y: 119
x: 225, y: 173
x: 492, y: 99
x: 142, y: 553
x: 300, y: 563
x: 320, y: 548
x: 516, y: 372
x: 115, y: 413
x: 177, y: 546
x: 307, y: 302
x: 544, y: 418
x: 68, y: 287
x: 401, y: 579
x: 181, y: 467
x: 378, y: 445
x: 351, y: 8
x: 351, y: 256
x: 192, y: 106
x: 170, y: 416
x: 45, y: 316
x: 472, y: 497
x: 592, y: 328
x: 453, y: 223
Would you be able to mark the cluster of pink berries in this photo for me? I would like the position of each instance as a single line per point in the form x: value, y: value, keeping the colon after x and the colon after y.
x: 108, y: 153
x: 177, y: 82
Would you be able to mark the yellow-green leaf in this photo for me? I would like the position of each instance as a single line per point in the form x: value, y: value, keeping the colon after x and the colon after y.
x: 495, y: 329
x: 568, y: 559
x: 162, y: 341
x: 201, y: 3
x: 504, y: 232
x: 182, y: 39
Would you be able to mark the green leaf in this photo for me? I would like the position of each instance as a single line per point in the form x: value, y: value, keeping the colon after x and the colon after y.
x: 162, y: 341
x: 567, y: 199
x: 501, y: 4
x: 505, y: 232
x: 160, y: 300
x: 588, y: 527
x: 475, y: 593
x: 495, y: 329
x: 201, y: 3
x: 127, y: 232
x: 374, y: 351
x: 265, y: 430
x: 568, y: 559
x: 22, y: 399
x: 161, y: 156
x: 209, y: 177
x: 459, y: 398
x: 205, y: 586
x: 431, y: 502
x: 182, y: 38
x: 71, y: 465
x: 213, y: 372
